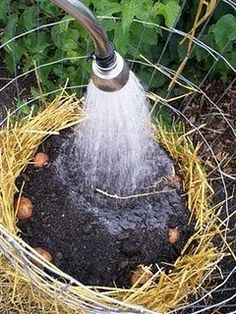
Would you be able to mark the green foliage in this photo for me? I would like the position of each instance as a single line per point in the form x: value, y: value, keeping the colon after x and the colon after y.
x: 163, y: 117
x: 68, y: 40
x: 3, y: 10
x: 225, y: 31
x: 128, y: 14
x: 222, y: 36
x: 169, y: 9
x: 21, y: 104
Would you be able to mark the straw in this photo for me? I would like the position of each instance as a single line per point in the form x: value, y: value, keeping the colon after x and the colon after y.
x: 28, y: 288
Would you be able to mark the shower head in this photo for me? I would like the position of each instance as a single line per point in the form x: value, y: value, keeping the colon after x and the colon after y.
x: 110, y: 71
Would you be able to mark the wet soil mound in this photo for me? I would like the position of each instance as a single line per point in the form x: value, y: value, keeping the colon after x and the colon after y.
x: 97, y: 238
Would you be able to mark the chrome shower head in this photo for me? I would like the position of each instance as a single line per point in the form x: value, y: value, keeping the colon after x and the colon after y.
x: 110, y: 71
x: 111, y: 78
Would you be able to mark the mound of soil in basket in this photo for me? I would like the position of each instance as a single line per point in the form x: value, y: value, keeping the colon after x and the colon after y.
x: 96, y: 238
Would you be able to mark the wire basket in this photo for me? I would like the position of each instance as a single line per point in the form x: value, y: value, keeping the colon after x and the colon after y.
x: 29, y: 284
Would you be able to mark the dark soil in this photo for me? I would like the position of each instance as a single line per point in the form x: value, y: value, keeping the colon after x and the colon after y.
x: 95, y: 238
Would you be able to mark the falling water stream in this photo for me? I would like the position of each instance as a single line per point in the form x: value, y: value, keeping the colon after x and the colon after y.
x: 114, y: 142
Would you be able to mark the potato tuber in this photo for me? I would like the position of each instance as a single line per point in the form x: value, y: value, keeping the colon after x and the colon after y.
x: 25, y: 208
x: 173, y: 235
x: 45, y: 254
x: 141, y: 275
x: 40, y: 160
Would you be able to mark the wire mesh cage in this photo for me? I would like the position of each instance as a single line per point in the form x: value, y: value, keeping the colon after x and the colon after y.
x: 186, y: 63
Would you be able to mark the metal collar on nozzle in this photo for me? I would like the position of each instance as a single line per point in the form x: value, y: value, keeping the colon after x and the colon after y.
x: 110, y: 71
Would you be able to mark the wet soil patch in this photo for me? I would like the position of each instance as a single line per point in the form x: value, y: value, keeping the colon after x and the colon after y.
x: 98, y: 239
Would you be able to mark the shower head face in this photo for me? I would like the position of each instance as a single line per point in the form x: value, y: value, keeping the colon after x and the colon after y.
x: 113, y: 78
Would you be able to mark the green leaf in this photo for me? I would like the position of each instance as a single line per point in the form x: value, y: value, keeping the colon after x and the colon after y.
x: 121, y: 41
x: 10, y: 29
x: 29, y: 18
x: 225, y: 30
x: 10, y: 63
x: 141, y: 35
x: 108, y: 25
x: 3, y: 10
x: 66, y: 40
x: 17, y: 51
x: 14, y: 53
x: 164, y: 116
x: 21, y: 104
x: 49, y: 8
x: 57, y: 36
x: 36, y: 43
x: 149, y: 36
x: 222, y: 71
x: 128, y: 13
x: 35, y: 92
x: 63, y: 27
x: 69, y: 40
x: 106, y: 7
x: 44, y: 73
x: 169, y: 10
x: 144, y: 10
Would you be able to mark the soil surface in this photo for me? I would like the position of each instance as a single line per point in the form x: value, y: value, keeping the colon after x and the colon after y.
x: 98, y: 239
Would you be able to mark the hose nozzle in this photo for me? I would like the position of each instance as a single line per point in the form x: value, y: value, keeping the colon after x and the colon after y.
x: 111, y: 78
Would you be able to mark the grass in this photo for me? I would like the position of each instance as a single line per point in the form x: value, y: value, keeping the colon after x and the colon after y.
x: 162, y: 293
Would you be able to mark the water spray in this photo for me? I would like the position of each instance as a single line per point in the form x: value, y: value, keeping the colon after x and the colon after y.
x: 110, y: 71
x: 114, y: 142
